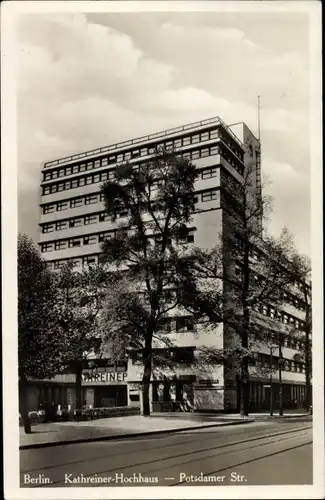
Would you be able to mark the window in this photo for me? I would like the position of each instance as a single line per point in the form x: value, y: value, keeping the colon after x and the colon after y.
x: 127, y: 155
x: 63, y: 205
x: 91, y: 219
x: 82, y: 167
x: 67, y: 185
x: 75, y: 262
x: 82, y: 181
x: 91, y: 199
x: 74, y: 183
x: 54, y: 174
x: 89, y: 179
x: 97, y: 163
x: 187, y: 238
x: 60, y: 245
x: 90, y: 165
x: 47, y: 247
x: 186, y: 141
x: 104, y: 162
x: 182, y: 355
x: 68, y: 171
x: 205, y: 136
x: 96, y: 178
x: 143, y: 151
x: 61, y: 225
x: 48, y: 176
x: 61, y: 186
x: 103, y: 217
x: 209, y: 196
x: 48, y: 209
x: 75, y: 169
x: 184, y: 323
x: 214, y: 150
x: 90, y: 240
x: 119, y: 158
x: 74, y: 243
x: 272, y: 312
x: 106, y: 236
x: 75, y: 222
x: 89, y: 260
x: 214, y: 134
x: 104, y: 176
x: 78, y: 202
x: 205, y: 152
x: 112, y: 159
x: 285, y: 319
x: 195, y: 139
x: 58, y: 264
x: 209, y: 172
x: 46, y: 190
x: 48, y: 228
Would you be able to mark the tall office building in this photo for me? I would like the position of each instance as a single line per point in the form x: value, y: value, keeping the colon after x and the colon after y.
x: 73, y: 225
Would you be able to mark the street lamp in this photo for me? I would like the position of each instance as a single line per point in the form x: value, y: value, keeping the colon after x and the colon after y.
x: 272, y: 347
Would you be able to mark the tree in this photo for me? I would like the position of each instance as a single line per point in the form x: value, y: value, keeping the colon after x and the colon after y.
x: 40, y: 342
x: 78, y: 304
x: 146, y: 251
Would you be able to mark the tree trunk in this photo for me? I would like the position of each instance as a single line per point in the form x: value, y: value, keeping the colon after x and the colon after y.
x: 145, y: 393
x: 244, y: 389
x: 147, y: 369
x: 280, y: 380
x: 23, y: 386
x: 78, y: 371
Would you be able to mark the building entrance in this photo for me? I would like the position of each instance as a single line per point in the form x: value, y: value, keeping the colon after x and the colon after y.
x: 112, y: 395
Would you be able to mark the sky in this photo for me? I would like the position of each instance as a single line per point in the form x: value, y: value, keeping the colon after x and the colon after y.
x: 90, y: 80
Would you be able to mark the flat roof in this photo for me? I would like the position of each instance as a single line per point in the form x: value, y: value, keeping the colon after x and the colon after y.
x: 143, y: 139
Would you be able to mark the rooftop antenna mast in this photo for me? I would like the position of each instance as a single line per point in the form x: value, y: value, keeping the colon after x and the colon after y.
x: 259, y: 118
x: 258, y: 160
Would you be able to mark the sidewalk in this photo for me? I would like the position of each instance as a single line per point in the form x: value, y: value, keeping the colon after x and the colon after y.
x: 54, y: 434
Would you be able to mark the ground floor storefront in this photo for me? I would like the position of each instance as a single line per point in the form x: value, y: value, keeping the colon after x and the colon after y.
x: 261, y: 393
x: 106, y: 386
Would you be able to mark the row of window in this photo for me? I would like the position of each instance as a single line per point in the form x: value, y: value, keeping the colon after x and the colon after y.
x: 78, y: 182
x: 91, y: 199
x: 75, y: 262
x: 100, y: 237
x: 73, y: 203
x: 77, y: 222
x: 177, y: 354
x: 287, y: 364
x: 281, y: 316
x: 109, y: 174
x: 145, y: 151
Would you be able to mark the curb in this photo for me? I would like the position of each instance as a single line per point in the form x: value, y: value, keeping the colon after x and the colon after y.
x: 130, y: 435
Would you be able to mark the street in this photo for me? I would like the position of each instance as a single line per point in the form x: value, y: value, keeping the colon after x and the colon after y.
x: 264, y: 452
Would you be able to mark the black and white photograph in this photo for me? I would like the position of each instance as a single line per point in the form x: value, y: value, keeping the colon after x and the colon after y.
x: 162, y: 250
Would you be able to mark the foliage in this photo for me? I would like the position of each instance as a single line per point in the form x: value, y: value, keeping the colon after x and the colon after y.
x: 40, y: 342
x: 150, y: 253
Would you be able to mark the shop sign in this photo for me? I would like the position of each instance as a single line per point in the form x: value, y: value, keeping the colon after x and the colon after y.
x: 105, y: 378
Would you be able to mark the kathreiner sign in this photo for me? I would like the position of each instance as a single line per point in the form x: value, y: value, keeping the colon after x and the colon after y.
x: 106, y: 378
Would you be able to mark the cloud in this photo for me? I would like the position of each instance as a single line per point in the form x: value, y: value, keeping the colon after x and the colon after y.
x: 83, y: 84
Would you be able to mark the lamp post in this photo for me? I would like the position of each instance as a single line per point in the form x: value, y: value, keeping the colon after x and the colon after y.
x: 271, y: 378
